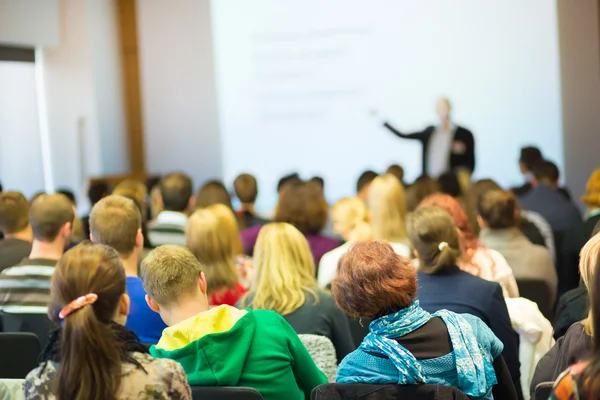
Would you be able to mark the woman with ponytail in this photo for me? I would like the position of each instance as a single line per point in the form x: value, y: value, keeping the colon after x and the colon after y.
x: 93, y: 356
x: 443, y: 285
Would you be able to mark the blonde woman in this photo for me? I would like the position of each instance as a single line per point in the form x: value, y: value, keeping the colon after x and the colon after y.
x: 350, y: 222
x: 387, y: 212
x: 284, y: 282
x: 212, y: 240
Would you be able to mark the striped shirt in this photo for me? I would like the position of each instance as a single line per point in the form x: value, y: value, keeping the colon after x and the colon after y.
x: 25, y: 288
x: 169, y: 228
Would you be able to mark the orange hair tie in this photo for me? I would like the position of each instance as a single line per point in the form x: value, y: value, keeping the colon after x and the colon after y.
x: 77, y: 304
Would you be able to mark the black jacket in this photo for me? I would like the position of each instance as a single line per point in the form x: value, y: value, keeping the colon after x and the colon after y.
x: 465, y: 159
x: 574, y: 239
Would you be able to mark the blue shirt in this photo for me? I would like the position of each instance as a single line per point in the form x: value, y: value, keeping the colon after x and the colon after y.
x: 142, y: 320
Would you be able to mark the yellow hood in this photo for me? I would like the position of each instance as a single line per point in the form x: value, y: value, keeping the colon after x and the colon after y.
x: 216, y: 320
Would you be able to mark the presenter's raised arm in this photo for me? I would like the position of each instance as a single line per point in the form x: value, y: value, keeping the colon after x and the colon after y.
x: 416, y: 135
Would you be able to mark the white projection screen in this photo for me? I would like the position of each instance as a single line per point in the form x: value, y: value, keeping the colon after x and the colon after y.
x: 296, y: 81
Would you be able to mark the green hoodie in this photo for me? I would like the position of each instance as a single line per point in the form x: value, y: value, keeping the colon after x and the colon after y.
x: 230, y: 347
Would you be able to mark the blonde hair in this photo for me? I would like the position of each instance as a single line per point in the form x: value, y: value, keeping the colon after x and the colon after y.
x: 589, y: 258
x: 132, y: 188
x: 349, y: 214
x: 387, y: 208
x: 284, y: 269
x: 170, y: 272
x: 209, y: 239
x: 591, y: 198
x: 229, y: 223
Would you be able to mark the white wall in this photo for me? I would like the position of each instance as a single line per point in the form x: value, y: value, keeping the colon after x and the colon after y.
x: 29, y: 22
x: 179, y: 107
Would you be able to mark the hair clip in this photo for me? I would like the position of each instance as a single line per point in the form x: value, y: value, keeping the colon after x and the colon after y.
x: 442, y: 246
x: 77, y: 304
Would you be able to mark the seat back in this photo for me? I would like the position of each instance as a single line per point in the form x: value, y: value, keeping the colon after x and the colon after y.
x: 322, y: 351
x: 360, y: 391
x: 543, y: 390
x: 537, y: 290
x: 38, y: 324
x: 20, y: 352
x: 224, y: 393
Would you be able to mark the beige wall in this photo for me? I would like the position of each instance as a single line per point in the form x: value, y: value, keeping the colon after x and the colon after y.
x: 579, y: 39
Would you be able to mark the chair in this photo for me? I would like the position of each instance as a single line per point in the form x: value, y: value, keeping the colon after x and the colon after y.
x: 537, y: 291
x: 20, y: 353
x: 38, y: 324
x: 360, y: 391
x: 322, y: 351
x: 224, y: 393
x: 543, y: 390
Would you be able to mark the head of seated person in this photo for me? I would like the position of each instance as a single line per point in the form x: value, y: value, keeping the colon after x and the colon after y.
x: 387, y: 209
x: 213, y: 192
x: 246, y: 190
x: 422, y: 187
x: 373, y: 282
x: 303, y: 205
x: 51, y: 217
x: 223, y: 345
x: 89, y: 299
x: 350, y: 219
x: 363, y: 184
x: 214, y: 238
x: 545, y: 172
x: 450, y: 184
x: 497, y: 210
x: 14, y: 216
x: 176, y: 192
x: 397, y: 171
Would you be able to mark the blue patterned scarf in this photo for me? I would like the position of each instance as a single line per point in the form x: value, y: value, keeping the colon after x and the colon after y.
x: 473, y: 364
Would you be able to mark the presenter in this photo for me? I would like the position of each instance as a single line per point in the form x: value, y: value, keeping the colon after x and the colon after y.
x: 446, y: 147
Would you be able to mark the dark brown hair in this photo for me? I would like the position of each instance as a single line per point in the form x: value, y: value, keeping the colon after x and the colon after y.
x: 14, y: 212
x: 373, y: 281
x: 48, y: 214
x: 90, y: 355
x: 423, y: 187
x: 213, y: 192
x: 115, y: 221
x: 472, y: 199
x: 246, y: 188
x: 435, y: 237
x: 397, y: 171
x: 176, y: 191
x: 303, y: 205
x: 498, y: 209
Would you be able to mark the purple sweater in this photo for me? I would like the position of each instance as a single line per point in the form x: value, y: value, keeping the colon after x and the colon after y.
x: 319, y: 245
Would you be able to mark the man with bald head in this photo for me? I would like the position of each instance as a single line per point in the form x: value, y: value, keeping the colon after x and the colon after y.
x: 446, y: 147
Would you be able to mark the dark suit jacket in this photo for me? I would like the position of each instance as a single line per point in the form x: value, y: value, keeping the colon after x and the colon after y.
x: 463, y: 293
x: 560, y: 213
x: 457, y: 160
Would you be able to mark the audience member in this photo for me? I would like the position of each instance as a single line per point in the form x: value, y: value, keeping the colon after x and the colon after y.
x: 246, y: 190
x: 291, y: 178
x: 92, y: 355
x: 155, y: 202
x: 213, y: 192
x: 545, y: 199
x: 443, y: 286
x: 449, y: 184
x: 498, y: 222
x: 576, y: 237
x: 215, y: 242
x: 176, y: 200
x: 573, y: 305
x: 116, y: 222
x: 223, y: 346
x: 364, y: 183
x: 319, y: 181
x: 136, y: 191
x: 530, y: 155
x: 285, y: 283
x: 397, y: 171
x: 582, y: 380
x: 530, y: 223
x: 406, y: 344
x: 387, y: 212
x: 14, y: 225
x: 303, y: 205
x: 476, y: 258
x: 576, y: 343
x: 350, y: 221
x: 78, y: 234
x: 24, y: 288
x: 420, y: 189
x: 96, y: 192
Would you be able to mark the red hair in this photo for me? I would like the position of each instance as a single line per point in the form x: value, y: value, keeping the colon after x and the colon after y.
x: 372, y: 281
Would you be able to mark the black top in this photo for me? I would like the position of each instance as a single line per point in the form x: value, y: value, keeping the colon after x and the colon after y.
x: 465, y: 159
x: 249, y: 219
x: 12, y: 251
x: 572, y: 307
x: 322, y: 318
x: 573, y: 240
x: 463, y: 293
